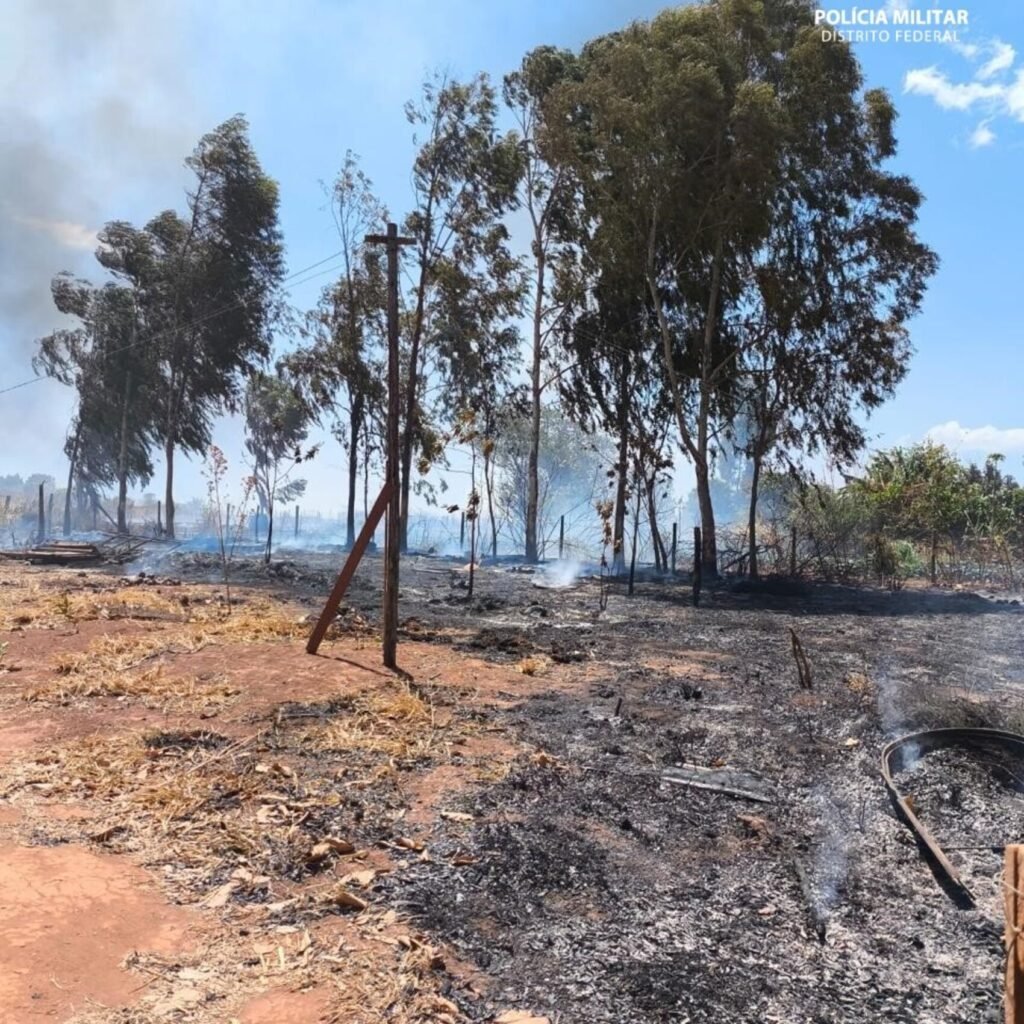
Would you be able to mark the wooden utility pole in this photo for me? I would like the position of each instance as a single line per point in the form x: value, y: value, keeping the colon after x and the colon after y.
x: 392, y: 536
x: 1013, y: 899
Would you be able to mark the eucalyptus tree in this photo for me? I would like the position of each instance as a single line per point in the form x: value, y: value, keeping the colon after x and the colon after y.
x: 673, y: 134
x: 106, y: 360
x: 610, y: 382
x: 341, y: 367
x: 827, y: 296
x: 221, y: 268
x: 721, y: 149
x: 464, y: 280
x: 547, y: 194
x: 277, y: 422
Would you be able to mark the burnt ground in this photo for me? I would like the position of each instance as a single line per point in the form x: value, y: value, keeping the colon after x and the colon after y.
x: 598, y: 892
x: 568, y: 877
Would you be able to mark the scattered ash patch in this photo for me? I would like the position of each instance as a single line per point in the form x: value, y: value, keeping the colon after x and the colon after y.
x: 591, y: 890
x: 972, y: 801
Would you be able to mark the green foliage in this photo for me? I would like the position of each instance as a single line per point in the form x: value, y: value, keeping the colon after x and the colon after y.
x: 277, y: 424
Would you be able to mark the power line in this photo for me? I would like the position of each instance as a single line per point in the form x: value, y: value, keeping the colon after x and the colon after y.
x: 237, y: 304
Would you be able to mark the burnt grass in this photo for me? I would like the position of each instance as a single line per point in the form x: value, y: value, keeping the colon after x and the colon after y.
x: 588, y: 889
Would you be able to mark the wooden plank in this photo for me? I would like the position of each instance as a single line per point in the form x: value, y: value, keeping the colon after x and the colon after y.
x: 1013, y: 898
x: 349, y: 568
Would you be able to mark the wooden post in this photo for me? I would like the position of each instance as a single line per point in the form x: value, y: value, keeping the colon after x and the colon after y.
x: 348, y: 570
x: 696, y: 566
x: 296, y: 522
x: 1013, y: 901
x: 675, y: 538
x: 462, y: 532
x: 561, y: 536
x: 792, y: 551
x: 41, y: 526
x: 392, y: 536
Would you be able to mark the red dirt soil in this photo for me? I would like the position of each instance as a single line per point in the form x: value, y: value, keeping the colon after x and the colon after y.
x: 68, y: 918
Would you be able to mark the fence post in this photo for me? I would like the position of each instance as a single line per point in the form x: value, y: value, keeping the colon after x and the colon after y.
x: 41, y: 531
x: 697, y: 566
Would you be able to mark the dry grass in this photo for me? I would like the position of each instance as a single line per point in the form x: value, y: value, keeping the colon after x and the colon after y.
x: 392, y: 723
x: 240, y: 826
x: 155, y: 688
x: 532, y: 666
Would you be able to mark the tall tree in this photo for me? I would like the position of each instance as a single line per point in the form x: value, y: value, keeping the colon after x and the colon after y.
x: 106, y: 360
x: 825, y: 300
x: 673, y: 133
x: 222, y: 268
x: 547, y: 194
x: 464, y: 279
x: 341, y: 368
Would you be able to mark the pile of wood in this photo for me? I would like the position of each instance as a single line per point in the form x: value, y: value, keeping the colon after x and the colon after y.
x: 117, y: 550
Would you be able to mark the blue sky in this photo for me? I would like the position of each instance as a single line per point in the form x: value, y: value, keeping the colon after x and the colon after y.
x: 102, y: 102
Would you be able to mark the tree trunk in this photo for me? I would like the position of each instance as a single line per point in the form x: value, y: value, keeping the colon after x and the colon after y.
x: 270, y: 533
x: 411, y: 423
x: 353, y: 469
x: 708, y: 551
x: 660, y: 554
x: 122, y: 460
x: 71, y: 479
x: 636, y: 536
x: 169, y: 490
x: 755, y: 478
x: 621, y: 476
x: 709, y: 543
x: 489, y: 488
x: 533, y: 459
x: 696, y: 449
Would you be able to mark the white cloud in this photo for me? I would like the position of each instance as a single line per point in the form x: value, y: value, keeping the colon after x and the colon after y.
x: 990, y: 88
x: 63, y: 232
x: 949, y: 95
x: 986, y: 440
x: 1003, y: 56
x: 982, y: 136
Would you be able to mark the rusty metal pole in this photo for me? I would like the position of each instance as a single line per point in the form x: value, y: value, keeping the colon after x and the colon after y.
x: 1013, y: 900
x: 392, y: 536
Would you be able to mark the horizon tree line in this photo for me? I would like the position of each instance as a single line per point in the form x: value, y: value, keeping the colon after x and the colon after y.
x: 718, y: 260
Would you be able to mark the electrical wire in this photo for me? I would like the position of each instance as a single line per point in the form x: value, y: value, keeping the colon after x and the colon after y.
x: 237, y: 304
